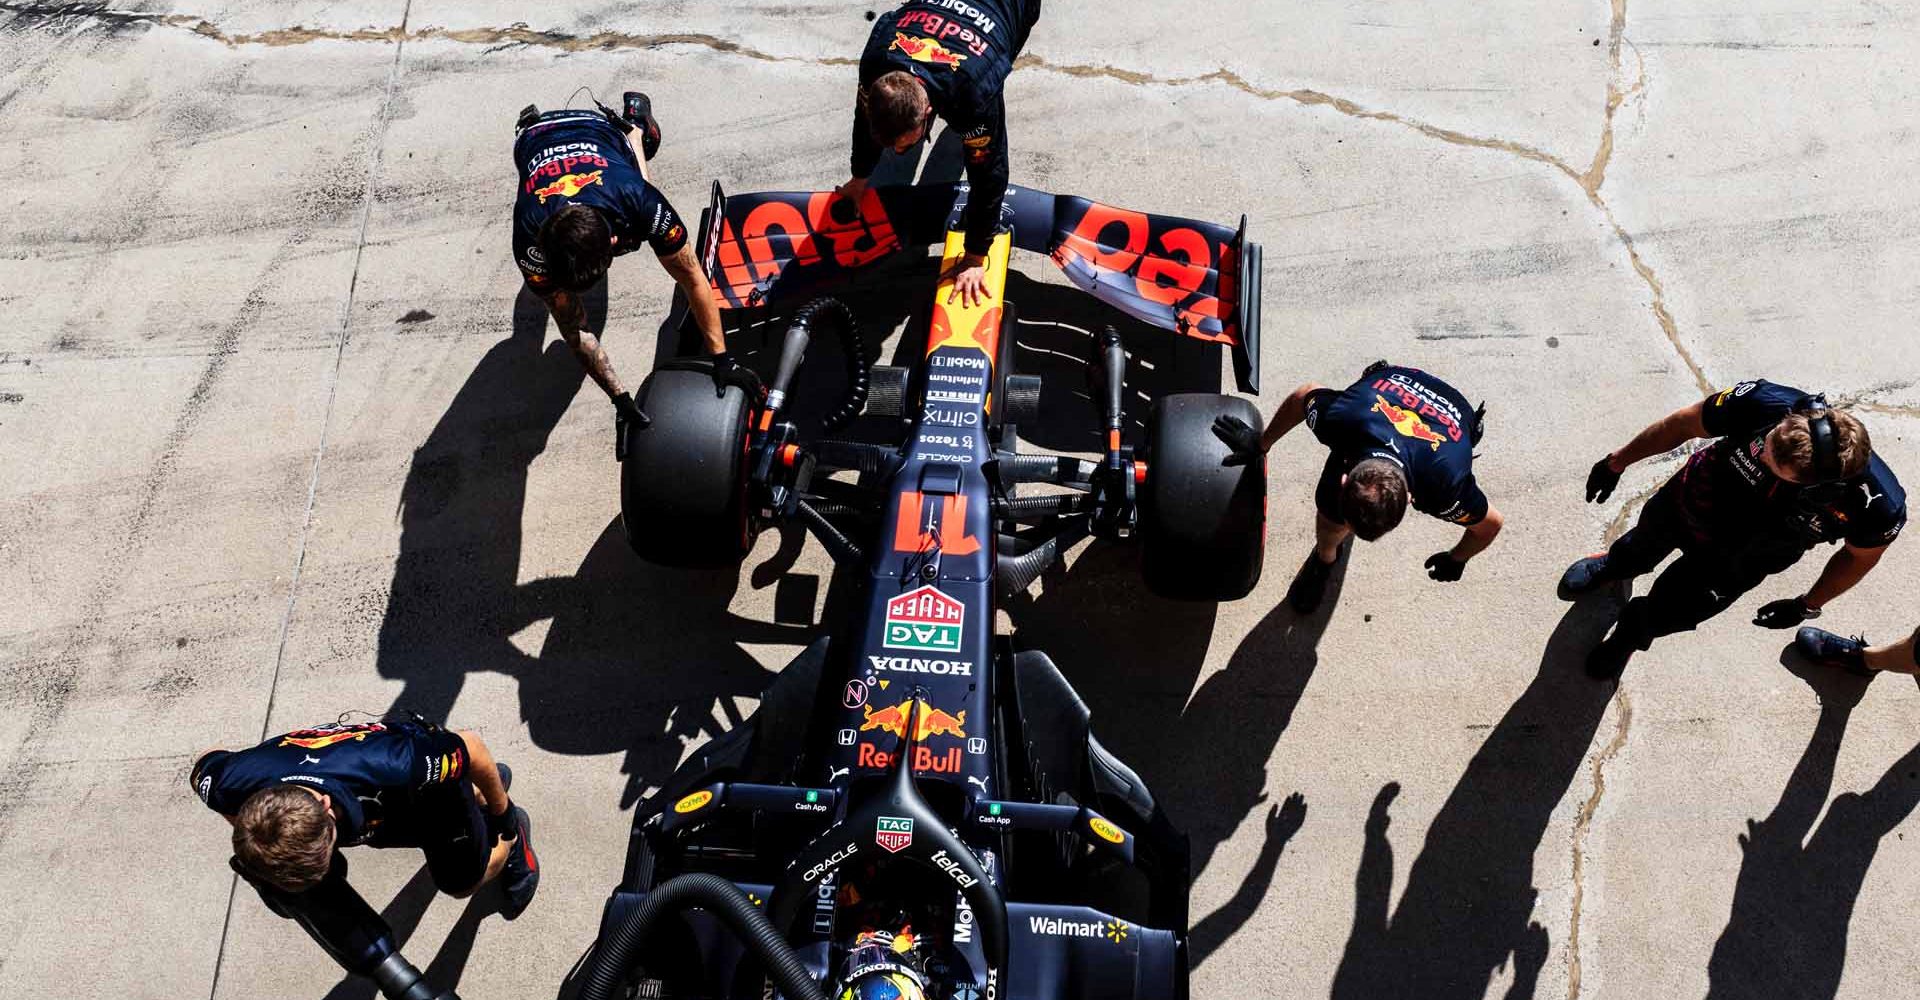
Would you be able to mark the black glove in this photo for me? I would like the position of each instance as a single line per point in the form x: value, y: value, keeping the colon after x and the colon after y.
x: 727, y: 370
x: 627, y: 417
x: 501, y: 827
x: 1479, y: 425
x: 1442, y: 566
x: 1784, y: 613
x: 1243, y: 442
x: 1601, y: 481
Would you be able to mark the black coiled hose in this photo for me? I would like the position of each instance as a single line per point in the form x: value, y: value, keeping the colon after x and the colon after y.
x: 617, y: 953
x: 833, y: 311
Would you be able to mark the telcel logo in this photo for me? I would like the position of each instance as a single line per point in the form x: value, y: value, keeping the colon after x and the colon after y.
x: 947, y: 864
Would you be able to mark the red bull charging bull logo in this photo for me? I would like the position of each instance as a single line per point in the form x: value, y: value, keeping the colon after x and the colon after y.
x: 926, y: 50
x: 567, y: 185
x: 315, y: 739
x: 933, y: 721
x: 1407, y: 422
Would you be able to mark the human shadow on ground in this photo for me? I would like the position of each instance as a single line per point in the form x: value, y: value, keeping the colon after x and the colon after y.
x: 1468, y: 902
x: 635, y: 658
x: 1786, y: 935
x: 403, y: 914
x: 1135, y: 658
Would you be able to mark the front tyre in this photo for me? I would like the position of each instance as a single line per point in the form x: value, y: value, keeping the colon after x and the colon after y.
x: 1203, y: 525
x: 683, y: 496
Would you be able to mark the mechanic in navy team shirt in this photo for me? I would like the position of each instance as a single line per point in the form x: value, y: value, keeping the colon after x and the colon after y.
x: 585, y: 198
x: 1398, y: 437
x: 1785, y: 474
x: 948, y: 58
x: 296, y: 799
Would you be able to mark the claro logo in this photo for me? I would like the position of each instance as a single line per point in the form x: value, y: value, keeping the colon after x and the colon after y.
x: 833, y: 861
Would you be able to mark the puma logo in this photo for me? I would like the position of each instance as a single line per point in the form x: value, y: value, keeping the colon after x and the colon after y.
x: 973, y: 780
x: 1867, y: 488
x: 838, y: 773
x: 309, y: 759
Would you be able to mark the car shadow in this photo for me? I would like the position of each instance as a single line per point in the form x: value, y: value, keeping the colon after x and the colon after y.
x: 1793, y: 900
x: 1203, y: 752
x: 1467, y: 906
x: 635, y: 658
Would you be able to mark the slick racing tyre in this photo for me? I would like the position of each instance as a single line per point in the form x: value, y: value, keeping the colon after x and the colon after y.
x: 683, y: 484
x: 1202, y: 524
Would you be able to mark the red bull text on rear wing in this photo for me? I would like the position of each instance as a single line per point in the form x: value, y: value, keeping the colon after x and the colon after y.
x: 1197, y: 279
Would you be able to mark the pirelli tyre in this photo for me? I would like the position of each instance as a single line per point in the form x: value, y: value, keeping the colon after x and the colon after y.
x: 1202, y: 524
x: 683, y: 484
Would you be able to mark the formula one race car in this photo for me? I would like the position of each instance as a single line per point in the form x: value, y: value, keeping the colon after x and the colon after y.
x: 916, y: 806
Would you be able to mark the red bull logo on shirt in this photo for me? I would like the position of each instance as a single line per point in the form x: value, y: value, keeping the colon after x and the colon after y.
x: 315, y: 739
x: 926, y: 50
x: 1407, y: 422
x: 567, y: 186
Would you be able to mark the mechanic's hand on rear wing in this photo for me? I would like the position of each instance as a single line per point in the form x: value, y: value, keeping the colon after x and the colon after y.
x: 727, y: 370
x: 1242, y: 440
x: 852, y: 189
x: 969, y: 275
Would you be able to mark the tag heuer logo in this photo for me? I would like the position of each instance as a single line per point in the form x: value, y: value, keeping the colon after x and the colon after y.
x: 894, y: 834
x: 925, y: 619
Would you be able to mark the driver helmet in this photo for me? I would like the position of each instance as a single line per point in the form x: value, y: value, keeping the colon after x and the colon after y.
x: 884, y: 965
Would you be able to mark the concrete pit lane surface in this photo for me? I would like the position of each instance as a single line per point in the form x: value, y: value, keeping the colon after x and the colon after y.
x: 284, y: 439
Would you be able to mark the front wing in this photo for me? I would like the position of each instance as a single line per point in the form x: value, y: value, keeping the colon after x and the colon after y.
x: 1198, y: 279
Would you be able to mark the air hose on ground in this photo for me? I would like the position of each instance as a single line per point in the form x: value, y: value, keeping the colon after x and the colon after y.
x: 618, y: 952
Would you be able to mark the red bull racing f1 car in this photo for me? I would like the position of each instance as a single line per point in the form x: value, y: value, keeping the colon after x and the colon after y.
x: 915, y: 799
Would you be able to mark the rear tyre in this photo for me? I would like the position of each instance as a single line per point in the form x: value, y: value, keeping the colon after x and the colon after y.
x: 1203, y: 525
x: 683, y: 485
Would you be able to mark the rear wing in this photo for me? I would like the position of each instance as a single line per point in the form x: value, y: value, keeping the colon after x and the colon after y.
x: 1197, y: 279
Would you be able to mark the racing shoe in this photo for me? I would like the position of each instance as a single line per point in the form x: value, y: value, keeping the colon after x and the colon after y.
x: 637, y: 109
x: 1583, y: 576
x: 1826, y: 648
x: 522, y: 872
x: 1309, y: 586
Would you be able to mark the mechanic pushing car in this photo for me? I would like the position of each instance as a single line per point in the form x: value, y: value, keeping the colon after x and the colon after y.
x: 1398, y: 437
x: 1786, y: 473
x: 296, y: 799
x: 586, y: 197
x: 950, y: 58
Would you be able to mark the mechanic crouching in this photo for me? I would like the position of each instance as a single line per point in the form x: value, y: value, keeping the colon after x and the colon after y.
x: 587, y: 197
x: 296, y: 799
x: 1785, y: 473
x: 948, y: 58
x: 1398, y: 437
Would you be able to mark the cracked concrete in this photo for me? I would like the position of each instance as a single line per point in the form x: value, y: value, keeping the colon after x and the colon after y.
x: 1457, y: 181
